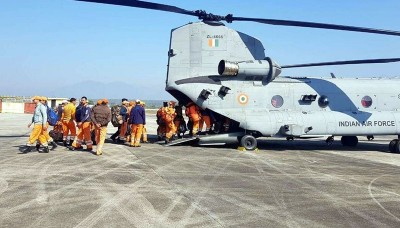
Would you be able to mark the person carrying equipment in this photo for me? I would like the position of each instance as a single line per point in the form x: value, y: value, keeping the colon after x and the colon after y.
x: 193, y: 112
x: 137, y: 119
x: 116, y: 119
x: 85, y: 126
x: 101, y: 116
x: 46, y: 134
x: 68, y: 121
x: 169, y: 117
x: 39, y: 119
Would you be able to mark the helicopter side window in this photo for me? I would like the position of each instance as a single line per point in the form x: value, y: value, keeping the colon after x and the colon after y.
x: 366, y: 101
x: 277, y: 101
x: 323, y: 101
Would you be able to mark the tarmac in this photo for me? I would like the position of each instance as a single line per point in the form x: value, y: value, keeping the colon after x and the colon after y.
x: 300, y: 183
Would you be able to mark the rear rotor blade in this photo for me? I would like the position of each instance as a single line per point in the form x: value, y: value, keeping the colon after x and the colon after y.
x: 363, y: 61
x: 317, y: 25
x: 145, y: 5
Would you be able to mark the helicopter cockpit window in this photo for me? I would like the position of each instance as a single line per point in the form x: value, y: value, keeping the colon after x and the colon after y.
x: 366, y: 101
x: 277, y: 101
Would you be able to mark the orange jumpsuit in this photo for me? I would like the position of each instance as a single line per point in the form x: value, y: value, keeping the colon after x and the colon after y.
x: 68, y: 121
x: 161, y: 124
x: 193, y: 112
x: 169, y: 117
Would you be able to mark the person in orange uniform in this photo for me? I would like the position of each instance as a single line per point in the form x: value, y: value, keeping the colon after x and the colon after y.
x: 68, y: 121
x: 46, y: 134
x: 85, y: 126
x: 137, y: 119
x: 39, y: 119
x: 101, y: 116
x: 205, y: 119
x: 129, y: 129
x: 161, y: 129
x: 193, y: 112
x: 179, y: 120
x: 144, y: 131
x: 169, y: 121
x: 125, y: 115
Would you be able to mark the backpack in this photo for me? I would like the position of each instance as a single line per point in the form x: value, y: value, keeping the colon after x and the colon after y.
x: 116, y: 118
x: 52, y: 116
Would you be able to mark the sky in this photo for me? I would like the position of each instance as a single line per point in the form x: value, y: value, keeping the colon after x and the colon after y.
x: 66, y: 48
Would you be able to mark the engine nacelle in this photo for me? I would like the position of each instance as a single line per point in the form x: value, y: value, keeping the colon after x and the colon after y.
x: 265, y: 68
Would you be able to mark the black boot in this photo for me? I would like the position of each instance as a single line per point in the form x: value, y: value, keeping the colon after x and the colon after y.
x: 65, y: 143
x: 27, y: 149
x: 37, y: 147
x: 45, y: 149
x: 53, y: 145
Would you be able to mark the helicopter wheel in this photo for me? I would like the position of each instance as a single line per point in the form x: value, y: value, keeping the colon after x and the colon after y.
x: 370, y: 137
x: 394, y: 146
x: 248, y: 142
x: 349, y: 141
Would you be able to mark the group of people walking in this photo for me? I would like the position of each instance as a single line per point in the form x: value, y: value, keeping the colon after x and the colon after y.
x: 82, y: 124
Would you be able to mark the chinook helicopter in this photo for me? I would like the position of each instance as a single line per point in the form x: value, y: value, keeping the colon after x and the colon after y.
x: 226, y: 72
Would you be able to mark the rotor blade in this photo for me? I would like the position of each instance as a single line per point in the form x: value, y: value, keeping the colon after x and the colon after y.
x: 363, y: 61
x: 316, y: 25
x: 145, y: 5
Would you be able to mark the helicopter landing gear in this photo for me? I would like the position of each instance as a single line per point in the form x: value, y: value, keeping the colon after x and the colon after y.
x: 349, y: 141
x: 290, y: 138
x: 248, y: 142
x: 394, y: 146
x: 330, y: 140
x: 370, y: 137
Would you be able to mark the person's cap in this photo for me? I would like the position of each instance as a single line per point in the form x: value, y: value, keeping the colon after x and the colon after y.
x: 43, y: 98
x: 142, y: 103
x: 131, y: 103
x: 99, y: 102
x: 125, y: 102
x: 36, y: 98
x: 172, y: 102
x: 105, y: 101
x: 64, y: 102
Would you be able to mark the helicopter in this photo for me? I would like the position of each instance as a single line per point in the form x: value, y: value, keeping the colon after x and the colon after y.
x: 226, y: 72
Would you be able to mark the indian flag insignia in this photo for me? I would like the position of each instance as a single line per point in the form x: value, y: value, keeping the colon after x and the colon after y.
x: 213, y: 42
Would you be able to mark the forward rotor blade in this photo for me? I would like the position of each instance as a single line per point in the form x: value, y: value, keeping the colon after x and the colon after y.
x: 316, y: 25
x: 363, y: 61
x: 145, y: 5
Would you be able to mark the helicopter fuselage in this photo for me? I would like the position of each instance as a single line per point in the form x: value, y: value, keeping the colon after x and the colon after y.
x: 274, y: 106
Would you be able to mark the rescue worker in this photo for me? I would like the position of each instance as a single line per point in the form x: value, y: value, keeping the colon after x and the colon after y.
x: 68, y: 122
x: 117, y: 133
x: 129, y: 129
x: 85, y: 126
x: 144, y: 131
x: 96, y: 129
x: 193, y: 112
x: 169, y: 121
x: 137, y: 119
x: 125, y: 115
x: 46, y: 132
x: 39, y: 119
x: 205, y: 118
x: 78, y: 114
x: 179, y: 120
x: 160, y: 122
x: 101, y: 116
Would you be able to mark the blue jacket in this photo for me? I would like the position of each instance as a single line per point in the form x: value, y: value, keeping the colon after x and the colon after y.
x: 124, y: 113
x: 137, y: 115
x: 85, y: 114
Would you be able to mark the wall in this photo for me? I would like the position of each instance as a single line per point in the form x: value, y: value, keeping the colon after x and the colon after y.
x: 29, y: 108
x: 13, y: 107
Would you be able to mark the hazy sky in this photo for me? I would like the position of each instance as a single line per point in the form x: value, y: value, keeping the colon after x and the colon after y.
x: 48, y: 44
